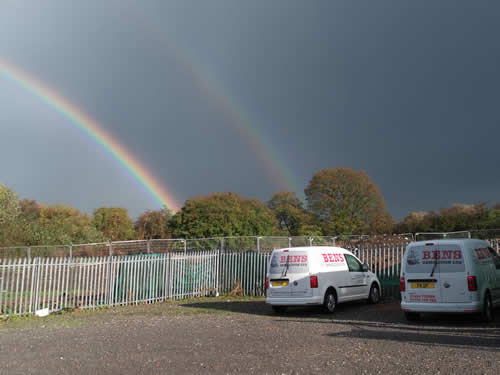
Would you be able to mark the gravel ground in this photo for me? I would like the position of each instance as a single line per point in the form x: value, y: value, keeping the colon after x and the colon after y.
x: 221, y: 335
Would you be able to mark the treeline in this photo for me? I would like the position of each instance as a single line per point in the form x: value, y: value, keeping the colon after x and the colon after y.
x: 338, y: 201
x: 459, y: 217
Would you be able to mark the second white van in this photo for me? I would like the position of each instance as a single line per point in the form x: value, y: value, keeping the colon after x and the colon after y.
x: 318, y: 275
x: 450, y: 276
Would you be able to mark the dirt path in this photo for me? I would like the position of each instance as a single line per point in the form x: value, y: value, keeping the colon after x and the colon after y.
x: 243, y: 336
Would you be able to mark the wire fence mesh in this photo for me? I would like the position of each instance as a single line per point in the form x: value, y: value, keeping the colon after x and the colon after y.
x: 15, y: 252
x: 91, y: 250
x: 232, y: 244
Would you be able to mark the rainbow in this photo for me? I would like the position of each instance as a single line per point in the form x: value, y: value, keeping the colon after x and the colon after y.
x: 214, y: 91
x: 95, y: 131
x: 211, y: 88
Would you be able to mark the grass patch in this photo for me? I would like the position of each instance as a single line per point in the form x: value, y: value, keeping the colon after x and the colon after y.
x: 170, y: 308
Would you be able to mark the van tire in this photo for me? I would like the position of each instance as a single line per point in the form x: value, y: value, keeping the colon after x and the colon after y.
x: 412, y: 316
x: 374, y: 296
x: 488, y: 313
x: 279, y: 309
x: 330, y: 301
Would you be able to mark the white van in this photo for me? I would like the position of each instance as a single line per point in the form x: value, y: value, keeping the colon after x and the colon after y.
x: 318, y: 275
x: 452, y: 276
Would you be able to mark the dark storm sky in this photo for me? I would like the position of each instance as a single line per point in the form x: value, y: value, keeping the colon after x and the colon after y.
x: 405, y: 90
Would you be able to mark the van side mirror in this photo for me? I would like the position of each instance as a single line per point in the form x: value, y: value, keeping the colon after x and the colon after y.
x: 365, y: 268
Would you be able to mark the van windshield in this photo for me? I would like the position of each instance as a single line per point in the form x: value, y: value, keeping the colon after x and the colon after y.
x: 422, y: 259
x: 285, y: 262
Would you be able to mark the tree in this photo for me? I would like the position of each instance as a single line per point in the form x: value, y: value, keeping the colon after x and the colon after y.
x: 114, y: 223
x: 458, y: 217
x: 223, y: 214
x: 29, y: 209
x: 346, y: 201
x: 54, y: 224
x: 290, y: 214
x: 9, y: 205
x: 412, y: 223
x: 61, y: 224
x: 154, y: 224
x: 9, y: 215
x: 381, y: 223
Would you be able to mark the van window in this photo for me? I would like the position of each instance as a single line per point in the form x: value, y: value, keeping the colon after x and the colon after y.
x: 353, y: 264
x: 422, y: 259
x: 287, y: 263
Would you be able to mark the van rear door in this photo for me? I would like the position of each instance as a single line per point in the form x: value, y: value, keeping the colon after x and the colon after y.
x: 279, y: 284
x: 452, y: 273
x: 299, y: 274
x: 289, y: 274
x: 422, y: 279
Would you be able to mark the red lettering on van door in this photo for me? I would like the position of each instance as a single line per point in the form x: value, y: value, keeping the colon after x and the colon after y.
x: 486, y: 253
x: 482, y: 253
x: 435, y: 254
x: 457, y: 254
x: 427, y: 254
x: 331, y: 258
x: 303, y: 258
x: 446, y: 254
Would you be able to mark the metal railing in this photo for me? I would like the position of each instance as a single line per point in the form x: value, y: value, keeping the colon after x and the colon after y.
x: 55, y: 284
x: 424, y: 236
x: 28, y: 285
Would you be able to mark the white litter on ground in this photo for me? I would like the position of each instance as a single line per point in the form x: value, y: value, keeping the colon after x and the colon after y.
x: 43, y: 312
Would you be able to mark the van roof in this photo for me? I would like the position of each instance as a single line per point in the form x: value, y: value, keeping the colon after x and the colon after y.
x: 450, y: 241
x: 313, y: 248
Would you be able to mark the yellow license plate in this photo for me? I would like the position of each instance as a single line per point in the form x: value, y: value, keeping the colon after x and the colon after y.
x: 422, y: 285
x: 279, y: 283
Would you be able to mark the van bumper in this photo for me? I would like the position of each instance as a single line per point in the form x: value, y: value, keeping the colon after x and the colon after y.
x: 469, y: 307
x: 291, y: 301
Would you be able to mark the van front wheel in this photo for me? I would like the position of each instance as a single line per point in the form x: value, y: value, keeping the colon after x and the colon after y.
x: 330, y: 302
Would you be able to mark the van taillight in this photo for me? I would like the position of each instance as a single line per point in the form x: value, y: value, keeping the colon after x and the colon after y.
x: 472, y: 283
x: 267, y: 282
x: 402, y: 284
x: 314, y: 281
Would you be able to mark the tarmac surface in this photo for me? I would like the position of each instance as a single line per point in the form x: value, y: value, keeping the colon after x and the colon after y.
x: 242, y: 335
